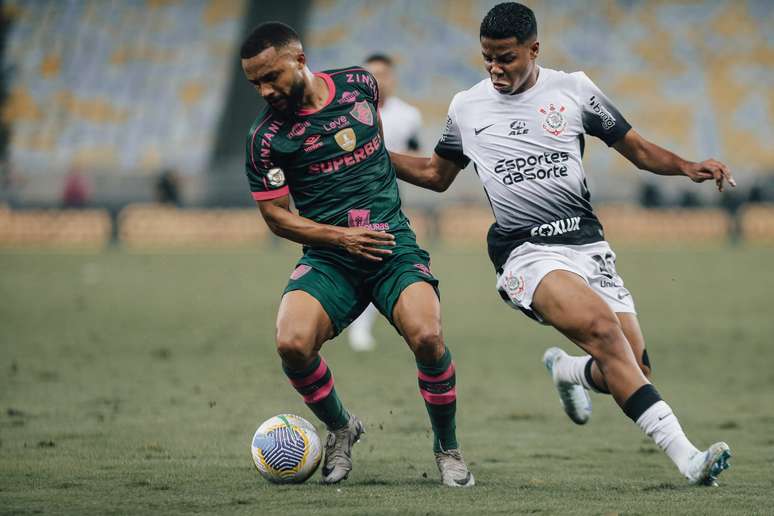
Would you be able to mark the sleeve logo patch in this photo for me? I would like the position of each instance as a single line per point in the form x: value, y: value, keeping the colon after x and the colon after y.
x: 554, y: 122
x: 299, y: 271
x: 276, y: 177
x: 608, y: 120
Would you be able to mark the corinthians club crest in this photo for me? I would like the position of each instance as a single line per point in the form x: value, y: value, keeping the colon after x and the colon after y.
x: 362, y: 113
x: 554, y: 122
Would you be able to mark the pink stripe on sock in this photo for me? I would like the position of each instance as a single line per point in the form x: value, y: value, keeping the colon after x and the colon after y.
x: 441, y: 377
x: 439, y: 399
x: 321, y: 393
x: 309, y: 380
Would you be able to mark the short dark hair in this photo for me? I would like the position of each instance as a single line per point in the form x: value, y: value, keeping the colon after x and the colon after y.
x: 379, y: 58
x: 509, y: 20
x: 269, y: 34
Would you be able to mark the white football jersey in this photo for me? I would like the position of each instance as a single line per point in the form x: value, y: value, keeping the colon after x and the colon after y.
x: 401, y: 123
x: 527, y: 150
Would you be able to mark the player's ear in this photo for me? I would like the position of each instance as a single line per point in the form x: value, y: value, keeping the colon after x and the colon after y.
x: 534, y: 49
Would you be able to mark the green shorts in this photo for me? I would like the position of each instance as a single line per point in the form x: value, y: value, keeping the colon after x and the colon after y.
x: 345, y: 285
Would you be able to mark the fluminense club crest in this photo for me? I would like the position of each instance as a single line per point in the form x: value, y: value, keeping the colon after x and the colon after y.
x: 554, y: 122
x: 362, y: 113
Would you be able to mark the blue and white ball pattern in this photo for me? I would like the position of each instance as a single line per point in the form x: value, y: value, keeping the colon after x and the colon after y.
x: 286, y: 449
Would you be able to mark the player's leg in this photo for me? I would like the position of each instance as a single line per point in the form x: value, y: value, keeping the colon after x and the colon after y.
x: 360, y: 332
x: 586, y: 371
x: 417, y: 316
x: 565, y: 301
x: 314, y: 309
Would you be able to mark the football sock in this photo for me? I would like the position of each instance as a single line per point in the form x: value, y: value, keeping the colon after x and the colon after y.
x: 315, y: 385
x: 437, y: 385
x: 572, y: 369
x: 656, y: 419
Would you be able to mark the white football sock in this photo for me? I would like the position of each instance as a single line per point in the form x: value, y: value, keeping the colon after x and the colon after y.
x: 661, y: 425
x: 572, y: 369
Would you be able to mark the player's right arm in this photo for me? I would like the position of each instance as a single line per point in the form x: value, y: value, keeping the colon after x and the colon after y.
x: 439, y: 171
x: 434, y: 173
x: 360, y: 242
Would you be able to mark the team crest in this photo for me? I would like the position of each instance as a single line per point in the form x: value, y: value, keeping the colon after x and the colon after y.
x: 276, y: 177
x: 346, y: 139
x: 515, y: 286
x: 554, y: 122
x: 362, y: 113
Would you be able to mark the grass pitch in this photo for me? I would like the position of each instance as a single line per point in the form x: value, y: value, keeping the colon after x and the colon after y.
x: 132, y: 383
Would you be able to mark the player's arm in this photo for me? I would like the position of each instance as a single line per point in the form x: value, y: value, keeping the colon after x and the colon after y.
x: 434, y: 173
x: 360, y: 242
x: 646, y: 155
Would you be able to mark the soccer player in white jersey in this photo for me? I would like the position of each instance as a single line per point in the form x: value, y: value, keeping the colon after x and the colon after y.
x: 401, y: 123
x: 523, y: 128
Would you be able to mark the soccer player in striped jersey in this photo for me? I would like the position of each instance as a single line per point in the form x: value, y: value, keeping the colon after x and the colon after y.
x: 523, y: 128
x: 319, y: 140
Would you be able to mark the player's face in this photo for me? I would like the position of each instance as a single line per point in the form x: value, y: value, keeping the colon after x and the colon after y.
x: 509, y: 63
x: 278, y: 76
x: 384, y: 76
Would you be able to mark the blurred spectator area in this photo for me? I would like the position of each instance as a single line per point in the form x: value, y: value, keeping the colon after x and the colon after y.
x: 116, y: 87
x: 123, y: 89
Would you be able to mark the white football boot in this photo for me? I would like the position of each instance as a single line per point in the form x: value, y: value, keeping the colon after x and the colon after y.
x: 454, y: 471
x: 338, y: 450
x: 707, y: 465
x: 575, y: 400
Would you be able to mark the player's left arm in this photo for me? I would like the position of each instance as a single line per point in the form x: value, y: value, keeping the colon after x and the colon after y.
x: 646, y: 155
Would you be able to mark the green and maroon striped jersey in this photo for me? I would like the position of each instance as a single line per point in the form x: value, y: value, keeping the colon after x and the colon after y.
x: 331, y: 161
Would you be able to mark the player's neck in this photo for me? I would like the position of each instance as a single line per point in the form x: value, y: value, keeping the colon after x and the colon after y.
x: 316, y: 92
x: 530, y: 82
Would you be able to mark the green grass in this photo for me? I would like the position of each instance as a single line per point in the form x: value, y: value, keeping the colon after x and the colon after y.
x: 132, y: 383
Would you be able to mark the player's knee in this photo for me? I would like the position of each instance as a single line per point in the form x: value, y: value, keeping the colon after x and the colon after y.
x: 293, y: 348
x: 427, y: 343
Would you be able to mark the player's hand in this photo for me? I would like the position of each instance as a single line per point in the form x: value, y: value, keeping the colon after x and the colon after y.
x: 365, y: 243
x: 710, y: 169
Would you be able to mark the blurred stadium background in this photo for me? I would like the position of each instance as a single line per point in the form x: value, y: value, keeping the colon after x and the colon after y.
x: 136, y: 336
x: 105, y: 104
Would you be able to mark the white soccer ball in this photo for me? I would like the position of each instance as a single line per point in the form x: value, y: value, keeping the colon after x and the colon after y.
x: 286, y: 449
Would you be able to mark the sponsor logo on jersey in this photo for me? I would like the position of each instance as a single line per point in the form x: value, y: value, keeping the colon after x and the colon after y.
x: 530, y: 168
x: 353, y: 158
x: 608, y: 120
x: 447, y: 130
x: 518, y: 128
x: 275, y: 177
x: 312, y: 142
x: 346, y: 139
x: 298, y: 129
x: 554, y: 121
x: 362, y: 113
x: 479, y: 131
x: 265, y: 149
x: 337, y: 123
x: 557, y: 227
x: 348, y: 97
x: 358, y: 218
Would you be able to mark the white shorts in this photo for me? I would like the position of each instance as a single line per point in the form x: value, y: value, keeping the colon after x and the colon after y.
x: 595, y: 263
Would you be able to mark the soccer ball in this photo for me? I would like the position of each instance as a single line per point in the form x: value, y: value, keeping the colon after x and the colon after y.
x: 286, y: 449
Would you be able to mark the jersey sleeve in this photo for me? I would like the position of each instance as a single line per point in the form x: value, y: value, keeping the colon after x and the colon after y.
x: 450, y: 145
x: 600, y: 117
x: 266, y: 178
